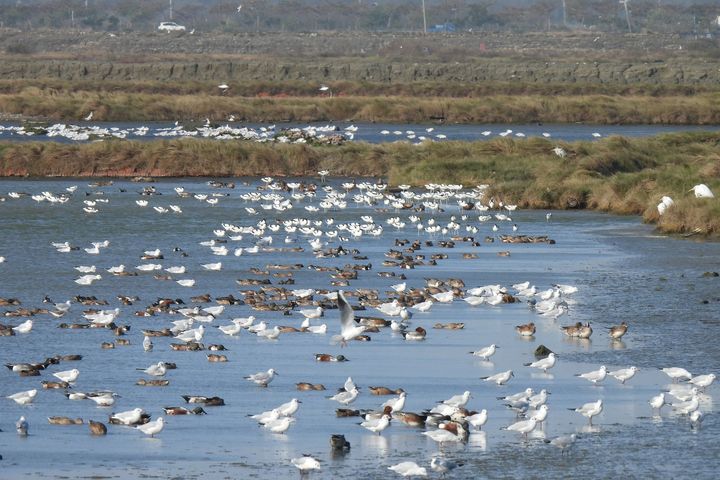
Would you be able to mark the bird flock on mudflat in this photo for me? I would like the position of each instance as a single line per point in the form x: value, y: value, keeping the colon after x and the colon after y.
x: 201, y: 322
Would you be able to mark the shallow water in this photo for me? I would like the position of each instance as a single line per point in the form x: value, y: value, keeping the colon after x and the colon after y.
x: 624, y: 272
x: 373, y: 132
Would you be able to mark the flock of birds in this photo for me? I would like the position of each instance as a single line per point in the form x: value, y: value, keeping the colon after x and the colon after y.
x: 700, y: 191
x: 231, y: 131
x: 475, y: 220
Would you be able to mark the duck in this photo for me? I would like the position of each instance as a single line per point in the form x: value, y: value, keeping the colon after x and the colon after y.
x: 207, y: 401
x: 617, y: 331
x: 416, y: 335
x: 385, y: 391
x: 326, y: 357
x: 184, y: 411
x: 526, y: 330
x: 572, y: 330
x: 152, y: 383
x: 305, y: 386
x: 65, y: 421
x: 214, y: 357
x: 97, y: 428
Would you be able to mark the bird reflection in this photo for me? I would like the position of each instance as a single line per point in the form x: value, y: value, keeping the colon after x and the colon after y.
x: 585, y: 343
x: 378, y: 443
x: 590, y: 429
x: 485, y: 364
x: 478, y: 440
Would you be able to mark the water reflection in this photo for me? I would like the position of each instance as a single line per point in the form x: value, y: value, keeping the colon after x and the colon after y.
x: 584, y: 343
x: 618, y: 345
x: 657, y: 419
x: 376, y: 443
x: 485, y: 364
x: 478, y: 441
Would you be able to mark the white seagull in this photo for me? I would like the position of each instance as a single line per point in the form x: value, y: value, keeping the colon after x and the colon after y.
x: 152, y: 428
x: 677, y: 373
x: 486, y: 352
x: 624, y: 374
x: 262, y: 378
x: 23, y: 398
x: 68, y: 376
x: 377, y: 425
x: 596, y: 376
x: 499, y: 378
x: 589, y: 410
x: 544, y: 364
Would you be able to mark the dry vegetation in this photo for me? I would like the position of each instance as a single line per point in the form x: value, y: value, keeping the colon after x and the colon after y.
x: 700, y: 109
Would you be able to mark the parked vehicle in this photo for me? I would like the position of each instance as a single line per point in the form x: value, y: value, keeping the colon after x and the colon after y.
x: 171, y: 27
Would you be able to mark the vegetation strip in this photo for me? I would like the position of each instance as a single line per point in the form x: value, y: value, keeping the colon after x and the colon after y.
x: 617, y: 174
x: 701, y: 109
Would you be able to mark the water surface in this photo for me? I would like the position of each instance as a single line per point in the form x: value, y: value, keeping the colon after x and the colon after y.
x: 623, y: 269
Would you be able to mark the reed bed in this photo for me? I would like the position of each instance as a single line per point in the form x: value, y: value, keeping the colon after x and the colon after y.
x: 62, y: 105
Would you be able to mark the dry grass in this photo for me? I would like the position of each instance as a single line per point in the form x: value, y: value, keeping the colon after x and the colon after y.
x: 46, y: 102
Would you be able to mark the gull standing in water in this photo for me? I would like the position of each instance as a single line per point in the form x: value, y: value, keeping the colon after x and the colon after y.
x: 68, y: 376
x: 677, y: 373
x: 152, y: 428
x: 346, y: 397
x: 523, y: 426
x: 563, y: 443
x: 478, y: 420
x: 657, y: 402
x: 624, y: 374
x: 262, y: 378
x: 596, y: 376
x: 458, y: 400
x: 544, y: 364
x: 499, y: 378
x: 377, y: 425
x: 702, y: 381
x: 589, y: 410
x: 486, y: 352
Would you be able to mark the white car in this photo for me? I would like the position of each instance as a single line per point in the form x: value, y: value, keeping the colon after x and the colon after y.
x: 171, y: 27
